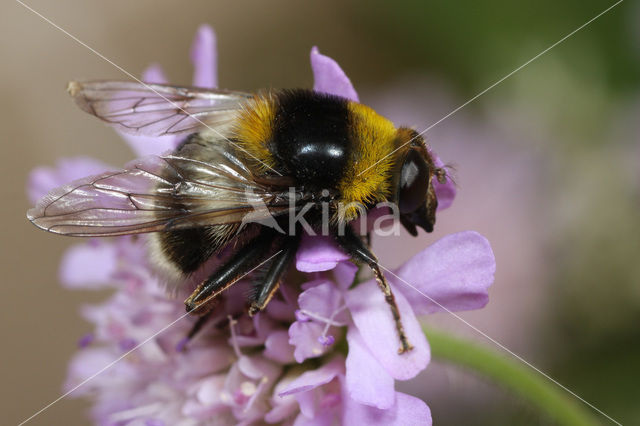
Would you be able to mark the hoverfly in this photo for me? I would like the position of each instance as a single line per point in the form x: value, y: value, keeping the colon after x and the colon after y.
x: 282, y: 150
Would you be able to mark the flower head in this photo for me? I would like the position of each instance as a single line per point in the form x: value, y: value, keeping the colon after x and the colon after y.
x: 322, y: 351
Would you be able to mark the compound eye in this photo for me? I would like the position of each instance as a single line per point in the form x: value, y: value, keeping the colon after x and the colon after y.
x: 414, y: 182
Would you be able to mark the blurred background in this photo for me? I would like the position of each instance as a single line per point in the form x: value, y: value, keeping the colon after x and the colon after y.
x: 546, y: 163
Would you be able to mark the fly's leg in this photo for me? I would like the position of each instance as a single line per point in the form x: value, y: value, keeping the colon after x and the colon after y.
x: 195, y: 329
x: 265, y: 289
x: 358, y: 251
x: 240, y: 264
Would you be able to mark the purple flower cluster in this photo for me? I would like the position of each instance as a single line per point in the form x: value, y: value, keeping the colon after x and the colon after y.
x: 322, y: 352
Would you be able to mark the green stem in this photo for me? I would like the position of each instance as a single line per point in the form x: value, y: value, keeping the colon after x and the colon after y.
x: 514, y: 376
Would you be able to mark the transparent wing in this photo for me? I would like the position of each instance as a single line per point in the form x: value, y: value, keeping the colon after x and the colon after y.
x: 156, y: 194
x: 156, y: 109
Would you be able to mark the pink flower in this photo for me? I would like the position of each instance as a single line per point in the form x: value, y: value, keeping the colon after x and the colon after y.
x: 241, y: 370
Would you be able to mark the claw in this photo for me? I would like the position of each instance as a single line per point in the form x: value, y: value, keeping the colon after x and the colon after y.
x: 406, y: 347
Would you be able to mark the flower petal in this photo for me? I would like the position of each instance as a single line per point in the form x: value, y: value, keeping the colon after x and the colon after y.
x: 282, y: 406
x: 366, y: 382
x: 344, y: 274
x: 154, y: 74
x: 407, y: 411
x: 324, y: 418
x: 445, y: 192
x: 312, y: 379
x: 204, y: 57
x: 277, y: 347
x: 280, y: 412
x: 44, y: 179
x: 307, y: 401
x: 90, y: 361
x: 456, y: 272
x: 143, y: 146
x: 318, y: 253
x: 320, y: 303
x: 202, y: 361
x: 329, y: 77
x: 372, y: 315
x: 257, y: 367
x: 209, y: 391
x: 304, y: 336
x: 89, y: 265
x: 321, y: 300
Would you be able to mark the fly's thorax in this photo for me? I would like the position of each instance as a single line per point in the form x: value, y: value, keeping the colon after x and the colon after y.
x: 369, y: 173
x: 321, y: 141
x: 310, y: 138
x: 252, y: 131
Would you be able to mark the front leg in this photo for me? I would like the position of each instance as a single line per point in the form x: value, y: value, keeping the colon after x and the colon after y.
x: 358, y: 251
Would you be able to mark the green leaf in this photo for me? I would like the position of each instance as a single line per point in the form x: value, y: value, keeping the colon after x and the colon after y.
x: 516, y: 377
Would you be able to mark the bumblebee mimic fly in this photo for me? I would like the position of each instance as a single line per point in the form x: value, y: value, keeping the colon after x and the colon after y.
x: 282, y: 150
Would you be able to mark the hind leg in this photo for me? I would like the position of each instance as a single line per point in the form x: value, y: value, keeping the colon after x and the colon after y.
x: 241, y: 264
x: 264, y: 290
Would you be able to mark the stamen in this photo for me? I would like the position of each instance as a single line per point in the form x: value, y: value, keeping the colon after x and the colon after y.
x: 326, y: 340
x: 182, y: 344
x: 257, y: 391
x: 86, y: 340
x: 145, y: 410
x: 243, y: 395
x: 248, y: 388
x: 301, y: 317
x: 328, y: 321
x: 234, y: 337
